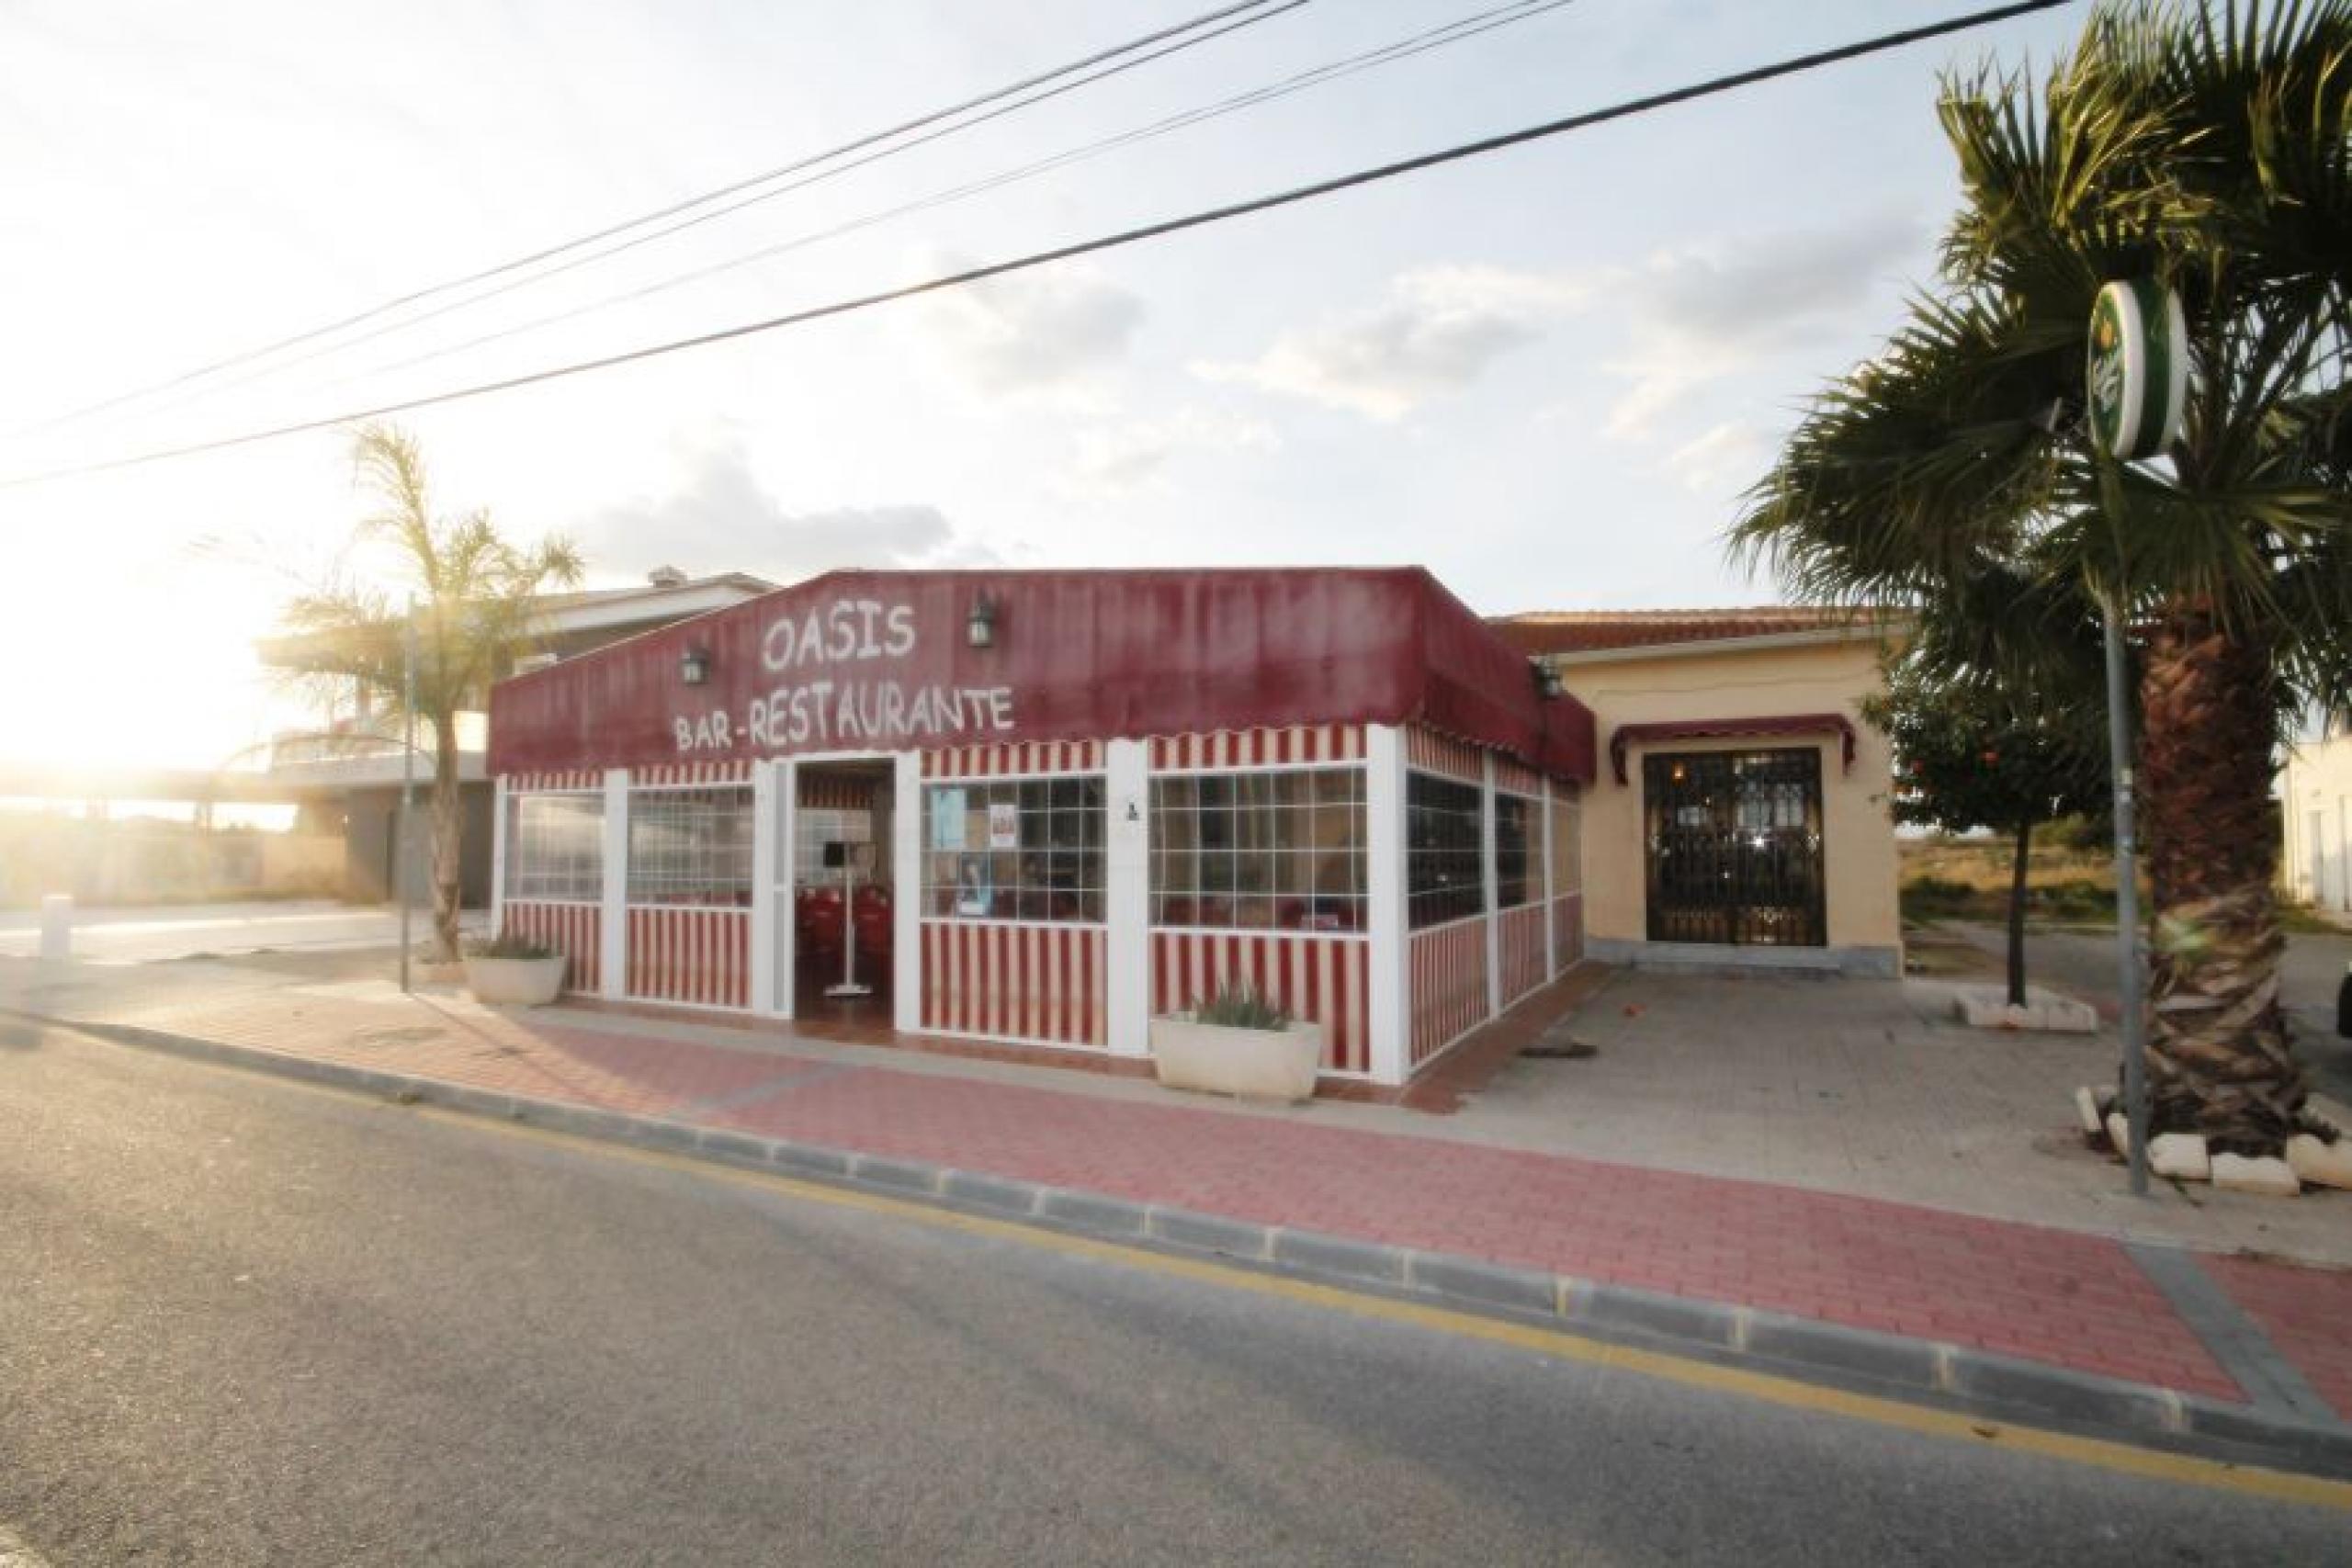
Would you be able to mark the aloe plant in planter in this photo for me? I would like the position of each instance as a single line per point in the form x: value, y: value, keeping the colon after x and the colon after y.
x: 1238, y: 1042
x: 514, y: 969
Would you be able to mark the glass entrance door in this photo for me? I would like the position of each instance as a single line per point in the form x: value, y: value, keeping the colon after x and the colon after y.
x: 840, y: 884
x: 1735, y: 847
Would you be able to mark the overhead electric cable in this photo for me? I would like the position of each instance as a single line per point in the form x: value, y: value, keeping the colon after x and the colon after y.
x: 629, y: 244
x: 1793, y: 65
x: 810, y: 160
x: 1452, y: 32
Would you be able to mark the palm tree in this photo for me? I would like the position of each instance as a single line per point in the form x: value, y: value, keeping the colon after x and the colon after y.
x: 1954, y: 473
x: 476, y: 600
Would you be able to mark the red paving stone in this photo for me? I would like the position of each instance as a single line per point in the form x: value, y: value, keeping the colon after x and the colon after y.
x: 2018, y: 1290
x: 643, y: 1075
x: 2306, y: 1312
x: 2042, y: 1294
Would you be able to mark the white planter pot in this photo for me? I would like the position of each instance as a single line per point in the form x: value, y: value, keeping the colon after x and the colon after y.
x: 524, y: 982
x: 1264, y: 1064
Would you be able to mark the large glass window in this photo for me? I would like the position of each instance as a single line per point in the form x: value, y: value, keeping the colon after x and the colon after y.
x: 1280, y: 850
x: 1013, y: 849
x: 821, y: 825
x: 690, y: 847
x: 555, y: 848
x: 1444, y: 875
x: 1567, y: 860
x: 1514, y: 857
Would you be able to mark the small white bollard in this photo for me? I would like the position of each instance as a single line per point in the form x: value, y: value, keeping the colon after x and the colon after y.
x: 57, y: 926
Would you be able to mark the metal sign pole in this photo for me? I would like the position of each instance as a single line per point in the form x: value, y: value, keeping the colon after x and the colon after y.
x: 402, y: 834
x: 849, y: 985
x: 2127, y: 882
x: 2135, y: 377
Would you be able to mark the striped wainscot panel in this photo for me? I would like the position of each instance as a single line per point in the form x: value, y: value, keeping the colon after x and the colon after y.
x: 576, y: 930
x: 1435, y: 753
x: 1519, y: 932
x: 1294, y: 747
x: 1041, y: 983
x: 1019, y: 757
x: 836, y: 792
x: 1518, y: 778
x: 577, y: 778
x: 1568, y: 930
x: 1322, y: 979
x: 672, y: 774
x: 701, y: 956
x: 1449, y: 984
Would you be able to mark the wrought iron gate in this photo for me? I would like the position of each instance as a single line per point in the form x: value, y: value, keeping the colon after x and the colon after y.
x: 1735, y: 847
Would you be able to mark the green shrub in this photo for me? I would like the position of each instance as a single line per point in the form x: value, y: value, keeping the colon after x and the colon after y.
x: 1927, y: 896
x: 1242, y: 1007
x: 2080, y: 899
x: 507, y: 944
x: 2084, y: 835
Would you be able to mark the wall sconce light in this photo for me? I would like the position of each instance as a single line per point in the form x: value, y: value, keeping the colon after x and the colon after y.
x: 1547, y: 681
x: 694, y: 666
x: 980, y: 630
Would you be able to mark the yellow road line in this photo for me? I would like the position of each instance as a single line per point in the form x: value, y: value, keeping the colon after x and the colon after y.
x: 1687, y: 1371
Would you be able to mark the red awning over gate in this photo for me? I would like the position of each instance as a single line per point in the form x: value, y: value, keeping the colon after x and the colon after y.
x: 1627, y: 735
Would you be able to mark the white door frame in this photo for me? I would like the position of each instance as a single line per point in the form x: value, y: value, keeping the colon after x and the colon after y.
x: 776, y: 845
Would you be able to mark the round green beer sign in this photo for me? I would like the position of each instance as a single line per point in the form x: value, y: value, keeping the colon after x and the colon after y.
x: 2138, y: 369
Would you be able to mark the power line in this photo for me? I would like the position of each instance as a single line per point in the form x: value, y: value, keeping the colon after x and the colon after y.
x: 811, y: 161
x: 1793, y: 65
x: 1453, y: 32
x: 817, y: 178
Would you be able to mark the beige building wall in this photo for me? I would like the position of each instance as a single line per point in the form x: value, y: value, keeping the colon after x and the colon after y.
x: 1818, y: 672
x: 2315, y: 811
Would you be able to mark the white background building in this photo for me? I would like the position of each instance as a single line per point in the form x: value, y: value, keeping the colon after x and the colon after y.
x: 2315, y: 801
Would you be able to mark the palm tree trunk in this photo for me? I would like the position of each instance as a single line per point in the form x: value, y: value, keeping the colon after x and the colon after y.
x: 448, y: 831
x: 2218, y: 1058
x: 2017, y: 913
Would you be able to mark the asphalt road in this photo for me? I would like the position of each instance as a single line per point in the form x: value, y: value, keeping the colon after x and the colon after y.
x: 146, y: 935
x: 242, y: 1320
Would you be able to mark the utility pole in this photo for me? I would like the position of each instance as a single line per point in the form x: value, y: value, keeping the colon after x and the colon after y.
x: 401, y: 828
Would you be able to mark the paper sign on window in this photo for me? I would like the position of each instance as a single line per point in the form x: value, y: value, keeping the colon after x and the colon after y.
x: 948, y: 819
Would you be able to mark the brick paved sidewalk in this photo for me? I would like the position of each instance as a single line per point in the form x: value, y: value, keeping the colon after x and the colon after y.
x: 2056, y: 1297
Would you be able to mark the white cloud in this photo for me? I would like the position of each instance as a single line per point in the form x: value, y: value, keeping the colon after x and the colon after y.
x: 1114, y: 459
x: 1689, y: 318
x: 1703, y: 313
x: 1039, y: 332
x: 723, y: 519
x: 1730, y: 454
x: 1437, y: 333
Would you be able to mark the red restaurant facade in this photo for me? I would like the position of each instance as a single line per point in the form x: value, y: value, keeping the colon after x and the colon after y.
x: 1043, y: 808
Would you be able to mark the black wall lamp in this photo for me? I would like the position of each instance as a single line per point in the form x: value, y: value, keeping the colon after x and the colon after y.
x: 979, y: 631
x: 1547, y: 681
x: 694, y: 666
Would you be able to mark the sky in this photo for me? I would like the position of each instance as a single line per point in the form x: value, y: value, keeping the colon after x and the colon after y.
x: 1547, y: 374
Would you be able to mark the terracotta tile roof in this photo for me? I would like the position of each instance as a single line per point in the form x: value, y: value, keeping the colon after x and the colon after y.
x: 1589, y: 631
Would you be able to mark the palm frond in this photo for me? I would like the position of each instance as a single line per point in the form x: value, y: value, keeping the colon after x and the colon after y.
x: 2213, y: 147
x: 1919, y: 465
x: 476, y: 599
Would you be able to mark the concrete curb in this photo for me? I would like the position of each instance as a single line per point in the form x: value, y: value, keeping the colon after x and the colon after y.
x: 1770, y: 1342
